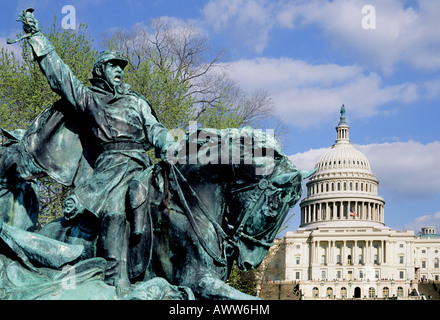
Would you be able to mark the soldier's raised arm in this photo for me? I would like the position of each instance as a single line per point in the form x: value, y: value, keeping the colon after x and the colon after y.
x: 58, y: 74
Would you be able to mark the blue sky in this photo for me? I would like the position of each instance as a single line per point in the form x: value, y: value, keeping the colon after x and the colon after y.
x: 313, y: 56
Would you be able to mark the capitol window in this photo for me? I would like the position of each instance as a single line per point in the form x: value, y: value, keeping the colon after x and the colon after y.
x: 371, y: 292
x: 329, y: 292
x: 343, y: 292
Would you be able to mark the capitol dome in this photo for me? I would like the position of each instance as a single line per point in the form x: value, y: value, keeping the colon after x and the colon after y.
x: 343, y: 189
x: 343, y: 156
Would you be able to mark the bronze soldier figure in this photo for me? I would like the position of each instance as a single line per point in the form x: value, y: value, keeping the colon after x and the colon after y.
x: 120, y: 125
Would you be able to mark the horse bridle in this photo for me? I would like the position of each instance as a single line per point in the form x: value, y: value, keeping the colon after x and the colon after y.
x: 229, y: 241
x: 263, y: 185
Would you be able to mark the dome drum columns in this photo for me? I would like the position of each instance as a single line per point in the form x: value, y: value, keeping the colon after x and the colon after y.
x: 337, y: 210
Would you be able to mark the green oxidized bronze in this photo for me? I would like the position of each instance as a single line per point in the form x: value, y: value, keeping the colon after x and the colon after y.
x: 133, y: 230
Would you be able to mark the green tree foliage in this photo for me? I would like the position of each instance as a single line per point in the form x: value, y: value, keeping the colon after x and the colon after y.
x: 24, y: 92
x: 243, y: 281
x: 13, y: 111
x: 166, y: 93
x: 221, y: 115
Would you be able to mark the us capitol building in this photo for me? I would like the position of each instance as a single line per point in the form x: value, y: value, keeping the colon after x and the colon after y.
x: 342, y: 248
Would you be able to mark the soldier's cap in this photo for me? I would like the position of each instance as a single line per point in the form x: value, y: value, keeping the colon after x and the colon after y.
x: 105, y: 56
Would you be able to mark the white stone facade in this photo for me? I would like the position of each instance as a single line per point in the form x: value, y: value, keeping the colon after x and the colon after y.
x: 351, y: 262
x: 427, y: 255
x: 342, y: 249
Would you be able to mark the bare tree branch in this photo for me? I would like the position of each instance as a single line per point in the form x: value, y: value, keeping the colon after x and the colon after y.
x: 181, y: 47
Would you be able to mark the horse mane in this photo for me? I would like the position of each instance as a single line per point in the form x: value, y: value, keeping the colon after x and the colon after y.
x: 245, y: 149
x: 247, y: 166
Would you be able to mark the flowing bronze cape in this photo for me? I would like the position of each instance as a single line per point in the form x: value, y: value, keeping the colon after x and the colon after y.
x: 58, y: 146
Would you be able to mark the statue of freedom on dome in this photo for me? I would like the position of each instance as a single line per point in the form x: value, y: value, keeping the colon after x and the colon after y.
x: 342, y: 111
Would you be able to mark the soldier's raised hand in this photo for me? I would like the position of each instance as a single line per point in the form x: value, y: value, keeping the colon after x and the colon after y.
x: 30, y: 23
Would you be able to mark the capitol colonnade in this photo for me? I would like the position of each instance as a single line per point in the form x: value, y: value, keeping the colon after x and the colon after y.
x: 348, y: 252
x: 333, y: 210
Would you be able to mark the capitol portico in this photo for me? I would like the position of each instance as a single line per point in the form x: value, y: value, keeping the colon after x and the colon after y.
x: 342, y: 248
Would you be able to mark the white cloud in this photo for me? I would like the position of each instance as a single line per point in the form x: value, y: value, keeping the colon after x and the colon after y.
x: 403, y: 34
x: 405, y: 170
x: 432, y: 88
x: 425, y: 221
x: 307, y: 160
x: 307, y: 94
x: 248, y: 20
